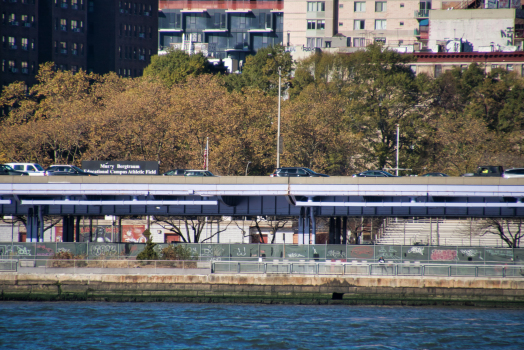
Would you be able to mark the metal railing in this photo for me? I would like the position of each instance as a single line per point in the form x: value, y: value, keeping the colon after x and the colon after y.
x: 367, y: 269
x: 77, y: 266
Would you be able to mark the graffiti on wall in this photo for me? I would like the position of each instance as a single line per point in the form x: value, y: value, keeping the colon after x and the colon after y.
x: 106, y: 233
x: 443, y: 255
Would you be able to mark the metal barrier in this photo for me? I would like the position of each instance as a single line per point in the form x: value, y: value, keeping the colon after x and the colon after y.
x: 8, y: 265
x: 367, y: 269
x: 270, y: 252
x: 76, y: 266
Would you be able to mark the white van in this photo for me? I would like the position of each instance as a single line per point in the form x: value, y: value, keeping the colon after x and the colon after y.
x: 33, y: 169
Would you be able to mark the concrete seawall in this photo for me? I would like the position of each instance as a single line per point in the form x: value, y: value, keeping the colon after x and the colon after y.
x: 285, y: 289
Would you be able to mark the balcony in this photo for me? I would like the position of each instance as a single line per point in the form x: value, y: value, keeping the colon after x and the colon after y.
x: 422, y: 33
x: 422, y: 14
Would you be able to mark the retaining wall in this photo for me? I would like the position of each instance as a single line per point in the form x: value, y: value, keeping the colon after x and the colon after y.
x: 288, y: 289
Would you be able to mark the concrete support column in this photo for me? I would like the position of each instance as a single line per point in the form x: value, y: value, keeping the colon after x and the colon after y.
x: 301, y: 226
x: 313, y: 226
x: 331, y: 239
x: 338, y: 229
x: 68, y: 229
x: 307, y: 231
x: 32, y: 225
x: 344, y: 230
x: 77, y: 229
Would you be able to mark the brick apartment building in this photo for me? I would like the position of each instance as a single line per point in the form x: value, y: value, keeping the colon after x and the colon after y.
x: 94, y: 35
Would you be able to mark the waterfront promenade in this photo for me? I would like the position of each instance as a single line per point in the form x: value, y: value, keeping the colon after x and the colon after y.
x: 285, y: 288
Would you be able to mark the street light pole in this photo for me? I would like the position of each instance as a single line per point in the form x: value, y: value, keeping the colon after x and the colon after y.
x: 278, y: 128
x: 397, y: 145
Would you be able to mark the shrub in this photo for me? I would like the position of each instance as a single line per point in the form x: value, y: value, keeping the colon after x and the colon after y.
x: 177, y: 252
x: 149, y: 252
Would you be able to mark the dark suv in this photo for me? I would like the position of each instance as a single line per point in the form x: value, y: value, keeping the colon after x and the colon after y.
x: 67, y: 170
x: 296, y: 172
x: 7, y: 170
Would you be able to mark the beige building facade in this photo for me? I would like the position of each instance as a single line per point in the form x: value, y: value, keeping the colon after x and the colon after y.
x: 349, y: 23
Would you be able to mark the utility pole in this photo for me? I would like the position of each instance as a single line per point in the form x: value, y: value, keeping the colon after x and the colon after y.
x: 278, y: 127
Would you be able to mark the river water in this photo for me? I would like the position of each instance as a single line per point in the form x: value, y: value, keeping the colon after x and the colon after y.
x: 91, y: 325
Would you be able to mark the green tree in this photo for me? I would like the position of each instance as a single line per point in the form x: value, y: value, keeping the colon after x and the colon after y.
x: 261, y: 71
x: 176, y: 66
x: 149, y: 252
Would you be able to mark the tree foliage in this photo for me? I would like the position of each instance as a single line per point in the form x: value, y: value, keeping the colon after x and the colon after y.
x: 176, y: 66
x: 341, y: 116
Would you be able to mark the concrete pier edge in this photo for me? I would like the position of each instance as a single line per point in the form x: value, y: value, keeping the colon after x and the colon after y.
x: 266, y: 289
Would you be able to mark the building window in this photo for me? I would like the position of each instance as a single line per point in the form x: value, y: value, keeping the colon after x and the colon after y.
x: 380, y: 6
x: 12, y: 42
x: 314, y: 42
x: 509, y: 67
x: 380, y: 24
x: 63, y: 24
x: 340, y: 24
x: 380, y: 40
x: 359, y: 42
x: 341, y: 6
x: 316, y: 6
x: 311, y: 24
x: 25, y: 44
x: 321, y: 24
x: 74, y: 49
x: 401, y: 23
x: 74, y: 26
x: 25, y: 21
x: 25, y: 67
x: 33, y: 44
x: 401, y: 5
x: 12, y: 67
x: 74, y: 4
x: 12, y: 20
x: 438, y: 70
x: 63, y: 48
x: 359, y: 24
x: 360, y: 6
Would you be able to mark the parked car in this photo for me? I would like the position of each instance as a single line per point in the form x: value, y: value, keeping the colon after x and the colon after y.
x: 33, y: 169
x: 487, y: 171
x: 296, y: 172
x: 67, y: 170
x: 374, y: 173
x: 435, y: 174
x: 513, y: 173
x: 175, y: 172
x: 7, y: 170
x: 198, y: 173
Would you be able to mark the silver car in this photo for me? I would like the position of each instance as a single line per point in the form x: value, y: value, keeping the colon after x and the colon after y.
x: 513, y: 173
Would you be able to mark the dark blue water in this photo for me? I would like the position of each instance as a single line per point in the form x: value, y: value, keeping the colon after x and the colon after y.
x: 31, y: 325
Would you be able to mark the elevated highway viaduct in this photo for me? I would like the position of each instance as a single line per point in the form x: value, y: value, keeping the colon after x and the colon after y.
x: 305, y: 198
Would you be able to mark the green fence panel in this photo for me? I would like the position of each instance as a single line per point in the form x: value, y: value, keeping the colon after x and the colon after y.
x: 501, y: 254
x: 469, y: 254
x: 317, y: 252
x: 17, y: 250
x: 214, y: 251
x: 297, y: 252
x: 443, y: 254
x: 45, y: 250
x: 272, y: 251
x: 247, y: 252
x: 389, y: 252
x: 361, y: 252
x: 415, y: 253
x: 335, y: 252
x: 518, y: 255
